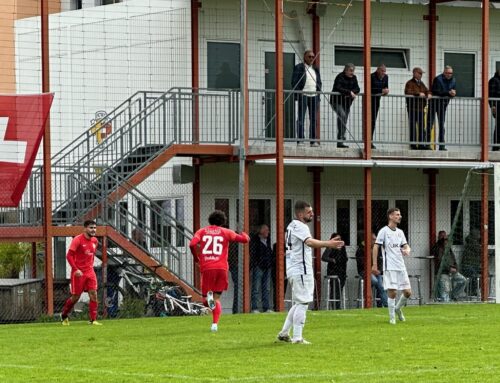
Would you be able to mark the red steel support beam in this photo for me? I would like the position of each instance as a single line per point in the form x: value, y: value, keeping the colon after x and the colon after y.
x: 431, y: 180
x: 104, y: 269
x: 243, y: 161
x: 316, y: 172
x: 195, y: 75
x: 316, y: 36
x: 196, y: 220
x: 47, y: 175
x: 484, y: 146
x: 367, y: 105
x: 367, y: 154
x: 432, y: 40
x: 368, y: 236
x: 280, y: 176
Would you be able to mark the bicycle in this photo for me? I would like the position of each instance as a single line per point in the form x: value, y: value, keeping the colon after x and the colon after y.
x: 176, y: 303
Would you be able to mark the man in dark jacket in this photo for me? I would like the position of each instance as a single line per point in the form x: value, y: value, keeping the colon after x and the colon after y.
x: 376, y: 280
x: 307, y: 80
x: 444, y: 87
x: 494, y: 92
x: 416, y: 100
x: 261, y: 261
x: 347, y: 85
x: 380, y: 87
x: 337, y: 265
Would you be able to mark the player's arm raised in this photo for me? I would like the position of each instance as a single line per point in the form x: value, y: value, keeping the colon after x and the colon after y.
x: 334, y: 243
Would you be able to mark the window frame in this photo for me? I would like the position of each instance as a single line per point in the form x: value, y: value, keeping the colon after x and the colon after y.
x: 356, y: 48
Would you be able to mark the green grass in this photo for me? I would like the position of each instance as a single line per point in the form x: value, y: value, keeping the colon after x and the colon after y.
x: 453, y: 343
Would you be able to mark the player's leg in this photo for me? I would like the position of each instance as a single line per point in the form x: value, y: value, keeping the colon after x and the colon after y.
x: 404, y: 285
x: 303, y: 295
x: 216, y: 281
x: 284, y: 334
x: 391, y: 286
x: 91, y: 287
x: 77, y: 285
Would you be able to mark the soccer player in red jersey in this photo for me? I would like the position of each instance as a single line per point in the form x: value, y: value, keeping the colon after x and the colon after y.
x: 209, y: 247
x: 81, y: 259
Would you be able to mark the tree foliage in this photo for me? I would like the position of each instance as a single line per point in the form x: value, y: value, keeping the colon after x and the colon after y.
x: 13, y: 257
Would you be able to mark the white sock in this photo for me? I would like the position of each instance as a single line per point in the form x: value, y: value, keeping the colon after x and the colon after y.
x: 391, y: 303
x: 289, y: 320
x: 299, y: 320
x: 402, y: 302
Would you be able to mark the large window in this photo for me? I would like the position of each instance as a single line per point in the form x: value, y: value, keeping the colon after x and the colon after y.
x: 392, y: 58
x: 223, y: 65
x: 458, y: 233
x: 379, y: 216
x: 464, y: 72
x: 475, y: 219
x: 161, y: 223
x: 343, y: 226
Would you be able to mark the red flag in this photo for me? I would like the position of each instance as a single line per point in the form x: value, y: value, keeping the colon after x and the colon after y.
x: 22, y: 125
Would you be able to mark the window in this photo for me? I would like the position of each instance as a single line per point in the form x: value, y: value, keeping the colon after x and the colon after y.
x: 76, y: 4
x: 475, y: 219
x: 160, y: 219
x: 379, y: 216
x: 222, y: 204
x: 463, y: 65
x: 392, y: 58
x: 122, y: 217
x: 108, y: 2
x: 223, y: 65
x: 343, y: 226
x: 179, y: 216
x: 458, y: 233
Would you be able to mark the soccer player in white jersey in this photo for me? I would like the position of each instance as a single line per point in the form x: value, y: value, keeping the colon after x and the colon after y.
x: 299, y: 270
x: 392, y: 242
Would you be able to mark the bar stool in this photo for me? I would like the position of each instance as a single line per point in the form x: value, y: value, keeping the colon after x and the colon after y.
x: 335, y: 282
x: 477, y: 293
x: 492, y: 291
x: 417, y: 277
x: 361, y: 293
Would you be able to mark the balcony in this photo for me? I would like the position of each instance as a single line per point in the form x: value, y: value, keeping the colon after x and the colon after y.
x: 392, y: 133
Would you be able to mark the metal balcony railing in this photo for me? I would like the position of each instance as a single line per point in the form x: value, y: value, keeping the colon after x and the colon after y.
x: 392, y: 126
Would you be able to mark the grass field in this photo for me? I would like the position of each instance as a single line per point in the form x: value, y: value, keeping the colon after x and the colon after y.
x: 453, y: 343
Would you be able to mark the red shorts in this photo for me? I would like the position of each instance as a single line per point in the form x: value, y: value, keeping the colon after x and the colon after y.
x: 213, y: 280
x: 85, y: 282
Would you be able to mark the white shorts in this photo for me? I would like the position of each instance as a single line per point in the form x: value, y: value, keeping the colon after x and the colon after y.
x: 396, y: 280
x: 302, y: 288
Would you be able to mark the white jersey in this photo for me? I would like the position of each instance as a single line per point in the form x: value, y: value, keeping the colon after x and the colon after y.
x: 391, y: 241
x: 298, y: 254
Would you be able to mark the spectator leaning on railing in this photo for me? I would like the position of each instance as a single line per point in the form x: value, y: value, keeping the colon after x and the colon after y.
x: 444, y: 87
x: 379, y: 87
x: 347, y: 85
x: 494, y: 92
x: 416, y: 100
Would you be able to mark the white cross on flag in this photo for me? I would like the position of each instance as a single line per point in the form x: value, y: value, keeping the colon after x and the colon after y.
x: 22, y: 124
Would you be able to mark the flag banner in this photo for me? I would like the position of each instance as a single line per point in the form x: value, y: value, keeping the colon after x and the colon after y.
x: 22, y: 125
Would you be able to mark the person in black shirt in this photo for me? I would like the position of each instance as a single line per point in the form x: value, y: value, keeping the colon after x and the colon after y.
x: 347, y: 85
x: 494, y: 92
x: 337, y: 265
x: 379, y: 87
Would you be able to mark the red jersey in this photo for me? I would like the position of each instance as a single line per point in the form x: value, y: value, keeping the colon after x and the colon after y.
x: 81, y: 253
x: 213, y: 244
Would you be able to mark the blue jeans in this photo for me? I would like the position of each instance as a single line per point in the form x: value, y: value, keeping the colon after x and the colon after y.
x: 377, y: 282
x: 261, y: 278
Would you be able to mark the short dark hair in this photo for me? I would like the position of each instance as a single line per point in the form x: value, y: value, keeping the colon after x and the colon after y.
x: 301, y: 206
x: 391, y: 210
x: 89, y: 222
x: 217, y: 218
